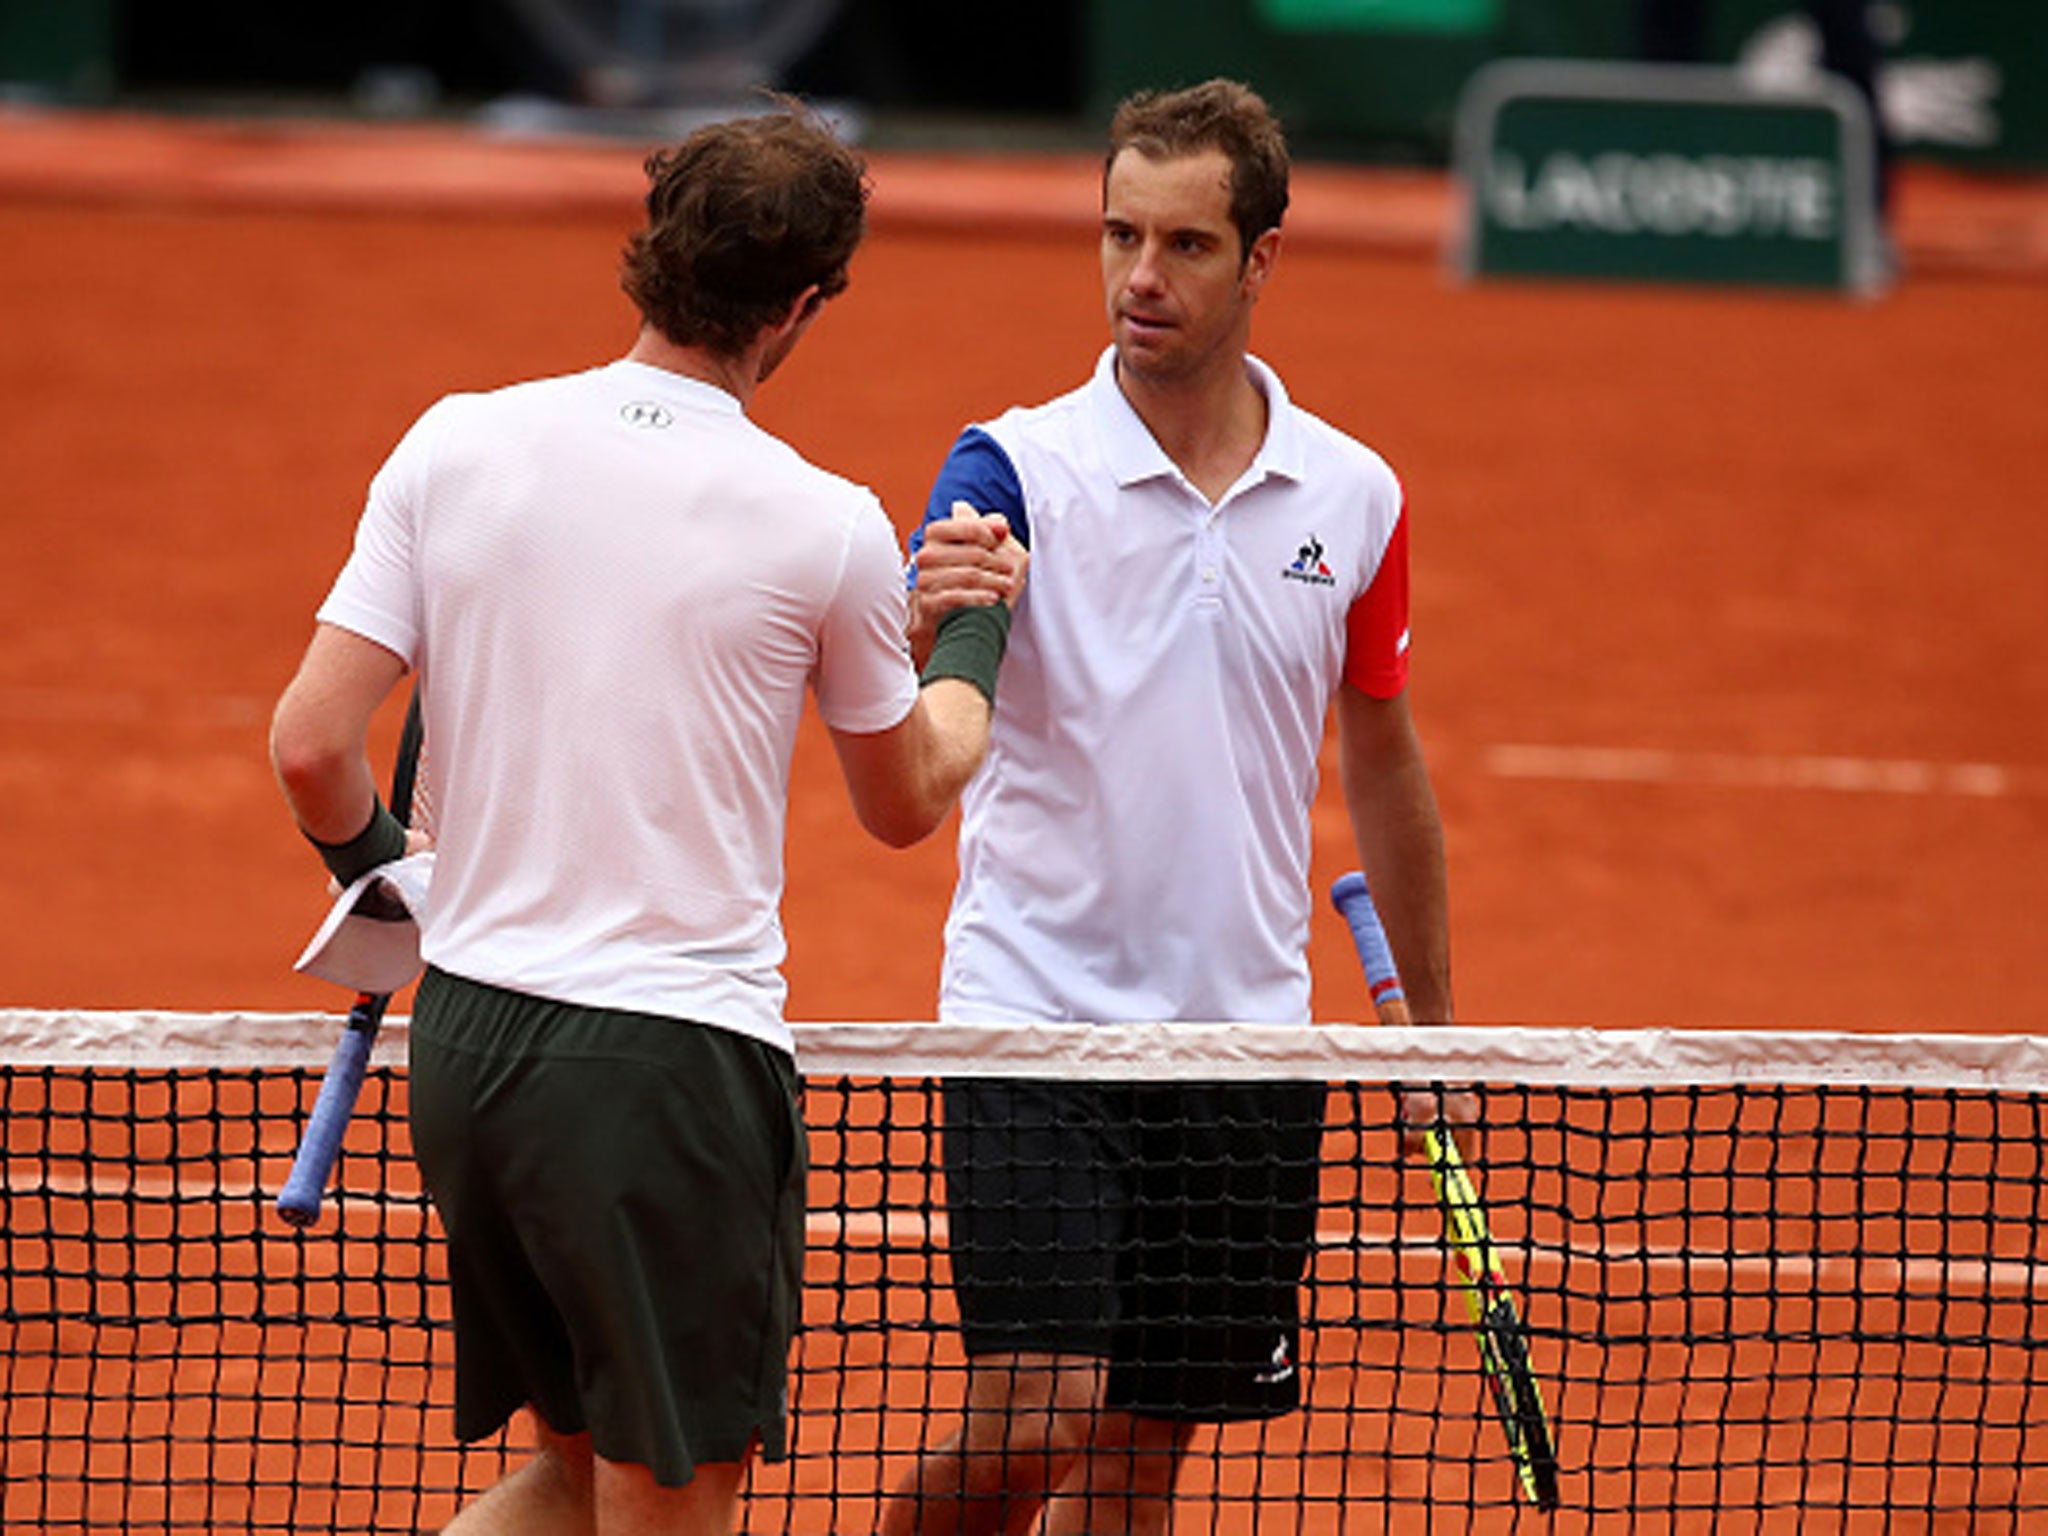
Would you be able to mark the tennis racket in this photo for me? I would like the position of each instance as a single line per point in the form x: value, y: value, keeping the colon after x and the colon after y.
x: 299, y: 1202
x: 1496, y: 1321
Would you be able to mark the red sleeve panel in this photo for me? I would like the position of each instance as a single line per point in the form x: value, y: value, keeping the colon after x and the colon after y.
x: 1376, y: 652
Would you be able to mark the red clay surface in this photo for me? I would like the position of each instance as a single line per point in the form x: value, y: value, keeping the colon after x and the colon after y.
x: 1729, y: 647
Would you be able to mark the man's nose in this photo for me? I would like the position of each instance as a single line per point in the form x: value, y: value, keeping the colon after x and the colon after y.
x: 1145, y: 270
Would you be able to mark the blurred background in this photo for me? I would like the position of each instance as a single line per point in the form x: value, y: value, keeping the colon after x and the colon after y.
x: 1960, y: 81
x: 1730, y: 661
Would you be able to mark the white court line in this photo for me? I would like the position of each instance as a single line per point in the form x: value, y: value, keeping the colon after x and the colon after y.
x: 1848, y: 775
x: 1730, y: 1274
x: 72, y: 706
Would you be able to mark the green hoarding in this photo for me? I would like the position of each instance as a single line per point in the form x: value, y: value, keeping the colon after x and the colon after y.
x: 57, y: 50
x: 1963, y: 81
x: 1468, y: 16
x: 1665, y: 174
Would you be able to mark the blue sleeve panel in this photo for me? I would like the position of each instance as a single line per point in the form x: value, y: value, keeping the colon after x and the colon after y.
x: 978, y: 472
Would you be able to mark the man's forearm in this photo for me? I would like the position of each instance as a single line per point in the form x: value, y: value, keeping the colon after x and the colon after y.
x: 1402, y: 854
x: 1400, y: 841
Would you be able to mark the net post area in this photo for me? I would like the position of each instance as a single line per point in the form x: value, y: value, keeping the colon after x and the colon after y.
x: 1764, y: 1281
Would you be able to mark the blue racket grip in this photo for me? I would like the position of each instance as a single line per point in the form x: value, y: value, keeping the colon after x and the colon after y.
x: 299, y: 1202
x: 1350, y: 896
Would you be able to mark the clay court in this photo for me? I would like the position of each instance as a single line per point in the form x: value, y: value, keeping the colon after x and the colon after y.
x: 1728, y: 640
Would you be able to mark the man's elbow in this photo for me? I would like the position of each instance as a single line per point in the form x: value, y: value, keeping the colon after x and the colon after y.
x: 903, y: 820
x: 305, y: 755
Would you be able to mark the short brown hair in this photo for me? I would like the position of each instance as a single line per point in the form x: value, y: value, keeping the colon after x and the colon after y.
x: 1217, y: 114
x: 742, y: 217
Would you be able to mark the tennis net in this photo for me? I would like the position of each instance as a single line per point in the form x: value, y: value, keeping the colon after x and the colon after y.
x: 1770, y: 1281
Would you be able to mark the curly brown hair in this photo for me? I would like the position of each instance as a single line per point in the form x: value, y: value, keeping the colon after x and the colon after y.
x: 1217, y: 114
x: 742, y: 217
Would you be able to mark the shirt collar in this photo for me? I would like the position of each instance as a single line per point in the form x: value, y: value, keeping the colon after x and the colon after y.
x: 1135, y: 455
x: 678, y: 388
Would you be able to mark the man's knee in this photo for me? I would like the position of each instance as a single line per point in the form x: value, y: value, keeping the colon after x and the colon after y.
x: 629, y: 1500
x: 1137, y: 1456
x: 562, y: 1462
x: 1042, y: 1408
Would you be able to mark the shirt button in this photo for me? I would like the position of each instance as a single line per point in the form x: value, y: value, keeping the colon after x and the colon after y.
x: 1209, y: 575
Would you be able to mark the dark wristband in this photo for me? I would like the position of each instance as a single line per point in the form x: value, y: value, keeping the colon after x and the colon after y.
x: 378, y: 843
x: 968, y: 644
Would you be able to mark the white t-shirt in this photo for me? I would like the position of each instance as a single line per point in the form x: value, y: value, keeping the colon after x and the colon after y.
x: 617, y: 590
x: 1137, y: 844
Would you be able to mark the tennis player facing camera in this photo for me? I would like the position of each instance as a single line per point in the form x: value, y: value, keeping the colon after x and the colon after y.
x: 616, y: 590
x: 1213, y: 569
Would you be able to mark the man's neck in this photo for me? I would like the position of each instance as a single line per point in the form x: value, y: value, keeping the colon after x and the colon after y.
x: 1212, y: 426
x: 738, y: 376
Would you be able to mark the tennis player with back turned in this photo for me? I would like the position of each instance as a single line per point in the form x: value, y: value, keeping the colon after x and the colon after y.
x: 616, y: 590
x: 1212, y: 568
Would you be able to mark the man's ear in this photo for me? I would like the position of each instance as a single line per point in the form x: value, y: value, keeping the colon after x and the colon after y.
x: 803, y: 309
x: 1259, y: 262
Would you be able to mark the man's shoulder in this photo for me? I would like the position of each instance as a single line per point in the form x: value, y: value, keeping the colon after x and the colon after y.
x: 1331, y: 450
x: 469, y: 425
x: 777, y: 473
x: 1050, y: 426
x: 476, y: 407
x: 776, y: 459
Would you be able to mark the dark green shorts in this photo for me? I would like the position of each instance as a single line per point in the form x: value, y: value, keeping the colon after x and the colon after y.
x: 624, y: 1202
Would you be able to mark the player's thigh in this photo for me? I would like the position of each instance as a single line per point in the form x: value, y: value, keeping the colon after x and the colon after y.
x: 1228, y: 1177
x: 1038, y: 1200
x: 644, y: 1185
x: 1013, y: 1394
x: 670, y: 1235
x: 1226, y: 1225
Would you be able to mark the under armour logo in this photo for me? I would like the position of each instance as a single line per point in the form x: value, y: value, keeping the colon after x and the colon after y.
x: 645, y: 413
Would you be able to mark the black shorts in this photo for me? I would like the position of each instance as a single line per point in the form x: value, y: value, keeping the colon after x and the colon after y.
x: 1162, y: 1227
x: 624, y: 1202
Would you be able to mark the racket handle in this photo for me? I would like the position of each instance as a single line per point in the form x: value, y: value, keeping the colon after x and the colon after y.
x: 1351, y: 897
x: 299, y: 1202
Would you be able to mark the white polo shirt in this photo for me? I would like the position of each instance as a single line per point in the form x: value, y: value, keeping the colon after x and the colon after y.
x: 1137, y: 845
x: 617, y: 589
